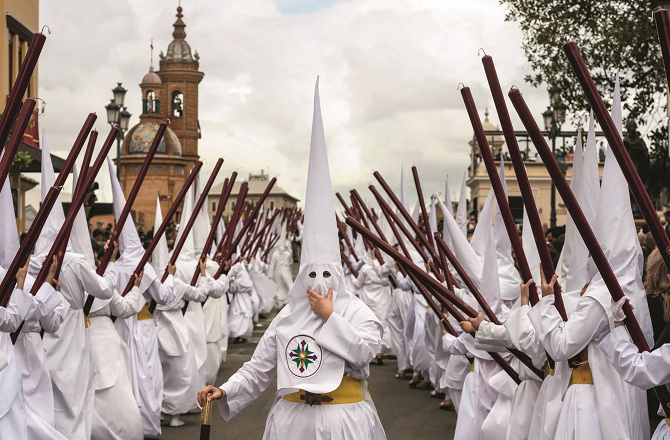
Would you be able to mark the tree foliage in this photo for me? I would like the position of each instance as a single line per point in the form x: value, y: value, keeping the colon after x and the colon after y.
x: 612, y: 36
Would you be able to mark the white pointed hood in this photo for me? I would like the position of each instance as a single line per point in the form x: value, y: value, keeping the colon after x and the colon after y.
x: 447, y: 196
x: 55, y: 220
x: 160, y: 254
x: 80, y: 239
x: 507, y: 271
x: 588, y: 196
x: 563, y: 266
x: 187, y: 254
x: 403, y: 189
x: 616, y: 233
x: 462, y: 209
x: 301, y: 362
x: 201, y: 229
x: 8, y: 232
x: 432, y: 217
x: 130, y: 246
x: 461, y: 248
x: 530, y: 248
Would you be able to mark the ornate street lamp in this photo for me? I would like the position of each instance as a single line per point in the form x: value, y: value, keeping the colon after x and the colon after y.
x: 117, y: 114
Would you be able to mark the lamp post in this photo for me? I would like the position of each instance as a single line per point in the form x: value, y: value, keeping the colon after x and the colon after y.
x: 553, y: 118
x: 117, y: 114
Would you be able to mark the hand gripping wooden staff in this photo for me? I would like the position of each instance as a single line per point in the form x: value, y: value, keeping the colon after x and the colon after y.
x: 121, y: 221
x: 583, y: 227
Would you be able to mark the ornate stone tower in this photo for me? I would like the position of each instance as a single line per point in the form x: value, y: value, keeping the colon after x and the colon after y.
x: 171, y: 92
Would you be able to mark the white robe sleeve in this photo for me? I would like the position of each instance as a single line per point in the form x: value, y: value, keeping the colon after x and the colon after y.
x: 564, y: 340
x: 49, y: 308
x: 217, y: 288
x: 162, y: 293
x: 16, y: 311
x: 454, y: 345
x: 3, y: 361
x: 196, y: 293
x: 101, y: 287
x: 357, y: 345
x: 360, y: 281
x: 252, y: 378
x: 492, y: 334
x: 126, y: 306
x: 643, y: 370
x: 522, y: 335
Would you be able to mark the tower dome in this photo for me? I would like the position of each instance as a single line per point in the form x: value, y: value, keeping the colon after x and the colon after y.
x: 140, y: 137
x: 178, y: 50
x: 151, y: 78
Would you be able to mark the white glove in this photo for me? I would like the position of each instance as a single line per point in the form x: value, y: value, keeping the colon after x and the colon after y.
x: 617, y: 309
x: 357, y: 265
x: 237, y: 268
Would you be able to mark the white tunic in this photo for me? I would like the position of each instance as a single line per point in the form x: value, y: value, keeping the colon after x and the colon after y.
x: 12, y: 406
x: 69, y: 355
x: 643, y: 370
x: 241, y: 311
x: 177, y: 360
x: 116, y: 412
x: 374, y: 288
x: 355, y: 421
x: 213, y: 310
x: 47, y: 312
x: 620, y: 408
x: 401, y: 299
x: 280, y: 272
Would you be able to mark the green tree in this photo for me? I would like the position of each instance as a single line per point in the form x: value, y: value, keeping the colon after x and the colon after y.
x: 612, y: 36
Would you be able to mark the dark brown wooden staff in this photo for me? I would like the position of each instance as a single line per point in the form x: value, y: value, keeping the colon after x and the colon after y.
x: 347, y: 263
x: 270, y: 246
x: 158, y: 233
x: 206, y: 419
x: 343, y: 231
x: 232, y: 223
x: 446, y: 297
x: 64, y: 233
x: 194, y: 215
x: 8, y: 283
x: 257, y: 239
x: 254, y: 212
x: 583, y: 227
x: 619, y: 150
x: 422, y: 203
x: 392, y: 219
x: 27, y: 244
x: 22, y: 121
x: 223, y: 199
x: 20, y: 86
x: 408, y: 218
x: 86, y: 163
x: 526, y: 195
x: 121, y: 221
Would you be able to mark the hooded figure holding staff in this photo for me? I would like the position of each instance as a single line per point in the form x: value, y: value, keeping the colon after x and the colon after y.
x: 321, y: 344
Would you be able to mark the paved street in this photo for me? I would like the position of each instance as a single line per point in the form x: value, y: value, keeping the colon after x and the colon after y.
x: 404, y: 412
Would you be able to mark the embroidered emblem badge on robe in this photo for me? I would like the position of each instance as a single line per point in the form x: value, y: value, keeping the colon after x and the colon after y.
x: 303, y: 355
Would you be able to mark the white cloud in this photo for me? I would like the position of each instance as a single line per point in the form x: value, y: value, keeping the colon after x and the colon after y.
x: 389, y: 72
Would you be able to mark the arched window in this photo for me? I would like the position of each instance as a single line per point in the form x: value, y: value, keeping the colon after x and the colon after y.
x: 272, y: 205
x: 150, y: 106
x: 177, y: 104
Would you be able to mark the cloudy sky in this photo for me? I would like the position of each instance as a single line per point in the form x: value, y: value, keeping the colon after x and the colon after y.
x: 389, y: 72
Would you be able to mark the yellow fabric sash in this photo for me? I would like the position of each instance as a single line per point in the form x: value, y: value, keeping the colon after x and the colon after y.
x: 667, y: 421
x: 472, y: 366
x: 548, y: 371
x: 87, y: 321
x: 581, y: 372
x: 144, y: 314
x: 349, y: 391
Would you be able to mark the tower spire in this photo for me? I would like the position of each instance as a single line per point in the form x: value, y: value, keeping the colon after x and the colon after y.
x: 179, y: 32
x: 151, y: 65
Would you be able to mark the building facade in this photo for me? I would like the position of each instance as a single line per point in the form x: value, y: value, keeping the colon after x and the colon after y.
x: 278, y: 197
x: 540, y: 181
x: 169, y: 93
